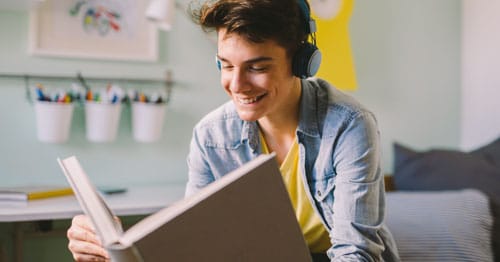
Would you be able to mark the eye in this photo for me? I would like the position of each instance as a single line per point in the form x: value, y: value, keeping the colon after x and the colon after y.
x: 226, y: 66
x: 257, y: 68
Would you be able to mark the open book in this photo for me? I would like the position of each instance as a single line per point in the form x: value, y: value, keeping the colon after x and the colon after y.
x: 244, y: 216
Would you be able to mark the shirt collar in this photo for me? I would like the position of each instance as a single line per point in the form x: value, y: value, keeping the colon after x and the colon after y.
x: 312, y: 103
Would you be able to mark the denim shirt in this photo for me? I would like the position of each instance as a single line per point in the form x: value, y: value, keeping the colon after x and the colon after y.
x: 339, y: 156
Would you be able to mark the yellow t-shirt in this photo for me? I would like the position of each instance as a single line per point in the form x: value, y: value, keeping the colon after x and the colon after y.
x: 313, y: 230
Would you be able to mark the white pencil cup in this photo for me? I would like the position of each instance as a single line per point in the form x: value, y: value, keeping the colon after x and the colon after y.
x: 147, y: 121
x: 101, y: 121
x: 53, y: 121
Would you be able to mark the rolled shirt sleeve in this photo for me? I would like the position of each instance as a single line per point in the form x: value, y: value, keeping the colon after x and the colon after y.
x: 358, y: 208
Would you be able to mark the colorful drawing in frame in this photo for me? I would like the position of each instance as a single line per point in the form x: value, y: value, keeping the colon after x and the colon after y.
x: 94, y: 29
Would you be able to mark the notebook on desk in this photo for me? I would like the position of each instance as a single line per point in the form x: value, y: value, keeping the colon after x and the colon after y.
x: 244, y: 216
x: 27, y: 193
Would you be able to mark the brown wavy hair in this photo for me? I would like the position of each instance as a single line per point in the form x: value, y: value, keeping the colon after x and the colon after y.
x: 257, y: 20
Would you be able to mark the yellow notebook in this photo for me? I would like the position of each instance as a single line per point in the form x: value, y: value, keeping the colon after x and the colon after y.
x: 33, y: 192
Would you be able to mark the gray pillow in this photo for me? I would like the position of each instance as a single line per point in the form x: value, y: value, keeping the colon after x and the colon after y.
x: 490, y: 152
x: 440, y: 169
x: 440, y: 226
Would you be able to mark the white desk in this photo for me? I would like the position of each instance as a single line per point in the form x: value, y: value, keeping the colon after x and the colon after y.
x: 139, y: 200
x: 135, y: 201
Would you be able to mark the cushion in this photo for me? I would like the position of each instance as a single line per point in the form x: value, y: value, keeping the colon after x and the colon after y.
x: 490, y: 152
x: 440, y: 169
x: 440, y: 226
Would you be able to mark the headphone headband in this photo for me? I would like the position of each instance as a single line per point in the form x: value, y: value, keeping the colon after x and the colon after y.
x: 310, y: 24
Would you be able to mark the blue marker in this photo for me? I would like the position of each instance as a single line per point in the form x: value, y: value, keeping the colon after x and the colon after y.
x: 40, y: 94
x: 114, y: 99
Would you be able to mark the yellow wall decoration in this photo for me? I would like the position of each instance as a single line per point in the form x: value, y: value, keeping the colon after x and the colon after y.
x: 337, y: 65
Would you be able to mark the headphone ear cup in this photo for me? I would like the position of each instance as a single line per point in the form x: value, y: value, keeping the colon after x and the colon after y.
x: 306, y: 61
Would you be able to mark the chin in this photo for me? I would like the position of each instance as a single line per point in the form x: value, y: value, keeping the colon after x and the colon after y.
x: 245, y: 116
x: 248, y: 118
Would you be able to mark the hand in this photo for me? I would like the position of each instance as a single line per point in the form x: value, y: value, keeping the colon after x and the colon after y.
x: 83, y: 241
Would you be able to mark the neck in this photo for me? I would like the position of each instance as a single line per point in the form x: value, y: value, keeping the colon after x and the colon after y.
x: 279, y: 129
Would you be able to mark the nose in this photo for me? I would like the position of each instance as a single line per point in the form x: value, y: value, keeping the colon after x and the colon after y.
x: 237, y: 80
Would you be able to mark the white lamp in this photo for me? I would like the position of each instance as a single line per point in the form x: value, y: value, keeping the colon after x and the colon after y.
x: 161, y: 12
x: 326, y: 9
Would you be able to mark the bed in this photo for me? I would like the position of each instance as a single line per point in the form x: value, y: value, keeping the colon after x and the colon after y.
x: 443, y: 205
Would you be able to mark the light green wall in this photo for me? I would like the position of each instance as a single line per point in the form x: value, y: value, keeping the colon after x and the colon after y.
x: 184, y: 50
x: 407, y: 56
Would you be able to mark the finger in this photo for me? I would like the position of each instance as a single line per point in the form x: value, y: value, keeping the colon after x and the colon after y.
x: 83, y: 222
x: 81, y: 230
x: 88, y: 258
x: 87, y: 250
x: 81, y: 234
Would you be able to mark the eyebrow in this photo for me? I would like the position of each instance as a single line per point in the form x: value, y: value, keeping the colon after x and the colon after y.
x: 251, y: 61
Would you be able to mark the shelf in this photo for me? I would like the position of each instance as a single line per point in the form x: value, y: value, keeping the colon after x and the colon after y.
x: 166, y: 82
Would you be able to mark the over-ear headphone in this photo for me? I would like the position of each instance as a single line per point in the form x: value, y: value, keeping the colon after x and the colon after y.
x: 217, y: 62
x: 307, y: 58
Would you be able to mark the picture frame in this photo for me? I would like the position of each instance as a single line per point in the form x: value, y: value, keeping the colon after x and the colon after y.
x: 93, y: 29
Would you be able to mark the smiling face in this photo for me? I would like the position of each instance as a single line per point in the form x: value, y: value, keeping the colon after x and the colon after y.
x: 257, y: 77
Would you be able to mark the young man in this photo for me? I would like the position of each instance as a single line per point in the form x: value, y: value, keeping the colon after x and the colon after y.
x: 326, y: 143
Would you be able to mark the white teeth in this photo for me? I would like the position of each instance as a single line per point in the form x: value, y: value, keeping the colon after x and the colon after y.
x: 247, y: 100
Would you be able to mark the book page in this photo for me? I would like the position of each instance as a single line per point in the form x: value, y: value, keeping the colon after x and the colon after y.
x: 108, y: 229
